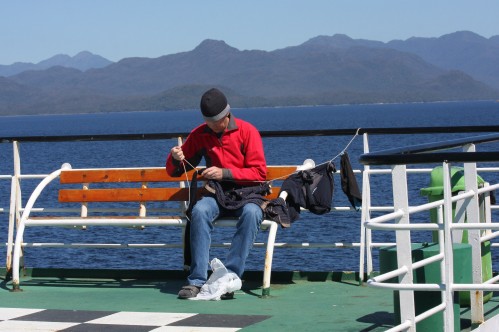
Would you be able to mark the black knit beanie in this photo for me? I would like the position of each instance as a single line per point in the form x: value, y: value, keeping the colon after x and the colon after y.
x: 214, y: 105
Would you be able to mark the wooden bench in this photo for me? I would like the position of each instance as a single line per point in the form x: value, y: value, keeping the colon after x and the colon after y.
x: 136, y: 186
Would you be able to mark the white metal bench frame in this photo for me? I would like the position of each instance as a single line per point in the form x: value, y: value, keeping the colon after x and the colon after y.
x: 141, y: 221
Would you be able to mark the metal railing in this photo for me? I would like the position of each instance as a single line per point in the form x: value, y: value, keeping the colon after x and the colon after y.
x: 16, y: 205
x: 365, y: 245
x: 445, y: 227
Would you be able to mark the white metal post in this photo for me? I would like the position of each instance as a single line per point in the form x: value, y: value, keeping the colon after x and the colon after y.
x: 365, y: 234
x: 473, y: 216
x: 15, y: 203
x: 12, y: 219
x: 448, y: 274
x: 404, y: 248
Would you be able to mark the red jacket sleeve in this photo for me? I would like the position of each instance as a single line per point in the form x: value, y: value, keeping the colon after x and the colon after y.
x: 192, y: 153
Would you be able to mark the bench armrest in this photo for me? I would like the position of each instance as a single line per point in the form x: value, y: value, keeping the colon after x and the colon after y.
x: 25, y: 215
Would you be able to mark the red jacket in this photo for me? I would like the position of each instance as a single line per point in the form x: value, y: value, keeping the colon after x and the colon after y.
x: 239, y: 152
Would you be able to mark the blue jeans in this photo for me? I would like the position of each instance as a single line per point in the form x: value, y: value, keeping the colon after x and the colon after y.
x: 204, y: 213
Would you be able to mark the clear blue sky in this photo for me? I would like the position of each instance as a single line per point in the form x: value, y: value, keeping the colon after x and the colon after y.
x: 34, y: 30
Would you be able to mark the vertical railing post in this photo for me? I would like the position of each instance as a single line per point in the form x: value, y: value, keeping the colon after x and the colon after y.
x: 15, y: 203
x: 448, y: 261
x: 365, y: 234
x: 473, y: 216
x: 12, y: 221
x: 404, y: 248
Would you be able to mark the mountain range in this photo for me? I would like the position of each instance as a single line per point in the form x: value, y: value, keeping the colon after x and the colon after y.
x: 323, y: 70
x: 81, y: 61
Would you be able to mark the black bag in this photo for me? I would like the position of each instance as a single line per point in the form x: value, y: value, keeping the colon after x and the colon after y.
x: 311, y: 189
x: 318, y: 186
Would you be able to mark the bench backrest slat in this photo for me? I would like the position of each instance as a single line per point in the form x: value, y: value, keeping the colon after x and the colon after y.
x: 146, y: 175
x: 119, y: 175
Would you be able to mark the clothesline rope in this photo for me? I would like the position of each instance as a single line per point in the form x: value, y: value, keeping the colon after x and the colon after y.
x: 348, y: 145
x: 330, y: 161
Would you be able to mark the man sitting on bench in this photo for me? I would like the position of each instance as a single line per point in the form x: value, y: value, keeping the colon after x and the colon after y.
x: 234, y: 156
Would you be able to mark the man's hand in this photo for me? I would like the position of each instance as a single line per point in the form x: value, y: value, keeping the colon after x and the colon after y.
x: 212, y: 173
x: 177, y: 153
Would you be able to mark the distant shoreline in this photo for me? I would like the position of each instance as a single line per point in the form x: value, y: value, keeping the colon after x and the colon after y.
x: 256, y: 107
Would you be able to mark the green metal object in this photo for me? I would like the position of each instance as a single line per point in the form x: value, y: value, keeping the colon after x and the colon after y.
x: 425, y: 300
x: 435, y: 192
x: 436, y: 187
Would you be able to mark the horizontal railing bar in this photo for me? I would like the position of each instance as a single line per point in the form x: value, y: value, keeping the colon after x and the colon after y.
x: 131, y: 210
x: 426, y: 261
x: 430, y: 153
x: 32, y: 176
x: 391, y: 244
x: 386, y: 217
x: 475, y: 226
x: 426, y: 206
x: 491, y: 236
x: 382, y: 244
x: 492, y: 280
x: 287, y: 133
x: 428, y: 313
x: 488, y: 188
x: 401, y: 327
x: 147, y: 221
x: 392, y: 274
x: 427, y: 158
x: 408, y: 170
x: 406, y: 227
x: 433, y: 287
x: 438, y: 146
x: 180, y: 245
x: 372, y: 171
x: 414, y: 287
x: 479, y: 287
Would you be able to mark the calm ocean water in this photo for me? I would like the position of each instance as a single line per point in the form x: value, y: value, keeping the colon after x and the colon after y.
x: 333, y: 227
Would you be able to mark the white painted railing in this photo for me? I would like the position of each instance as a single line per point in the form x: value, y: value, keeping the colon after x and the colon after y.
x: 16, y: 208
x: 398, y: 219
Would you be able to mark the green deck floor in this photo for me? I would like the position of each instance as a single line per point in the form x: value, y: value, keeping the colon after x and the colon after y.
x: 298, y: 302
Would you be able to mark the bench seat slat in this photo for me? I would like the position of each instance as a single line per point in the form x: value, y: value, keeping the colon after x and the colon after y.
x: 124, y: 195
x: 133, y: 195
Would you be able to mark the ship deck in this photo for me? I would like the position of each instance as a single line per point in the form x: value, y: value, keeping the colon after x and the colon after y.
x: 114, y: 300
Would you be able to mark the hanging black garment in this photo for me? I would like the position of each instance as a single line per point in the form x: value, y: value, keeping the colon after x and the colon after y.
x: 349, y: 182
x: 310, y: 189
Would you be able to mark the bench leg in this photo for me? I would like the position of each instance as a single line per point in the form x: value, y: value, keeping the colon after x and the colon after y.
x: 17, y: 258
x: 268, y: 260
